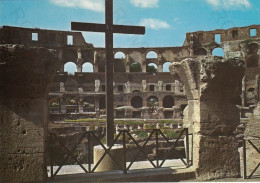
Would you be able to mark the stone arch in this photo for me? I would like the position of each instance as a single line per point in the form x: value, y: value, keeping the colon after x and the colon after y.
x: 151, y: 55
x: 135, y: 67
x: 87, y: 67
x: 218, y: 51
x: 70, y: 67
x: 119, y: 62
x: 166, y: 66
x: 152, y: 101
x: 168, y: 101
x: 137, y: 102
x: 200, y: 51
x: 119, y: 55
x: 152, y: 68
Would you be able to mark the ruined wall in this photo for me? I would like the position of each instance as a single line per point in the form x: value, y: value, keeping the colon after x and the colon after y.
x: 26, y: 73
x: 210, y: 114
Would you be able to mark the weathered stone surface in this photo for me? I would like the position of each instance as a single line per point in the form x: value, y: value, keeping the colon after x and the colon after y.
x: 211, y: 84
x: 25, y: 76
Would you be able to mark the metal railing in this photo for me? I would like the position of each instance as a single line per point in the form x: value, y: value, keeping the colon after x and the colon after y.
x: 245, y: 156
x: 90, y: 136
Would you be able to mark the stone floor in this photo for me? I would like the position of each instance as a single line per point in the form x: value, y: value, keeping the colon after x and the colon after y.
x: 139, y: 172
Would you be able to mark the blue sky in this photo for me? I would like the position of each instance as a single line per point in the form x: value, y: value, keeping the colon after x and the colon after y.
x: 166, y: 21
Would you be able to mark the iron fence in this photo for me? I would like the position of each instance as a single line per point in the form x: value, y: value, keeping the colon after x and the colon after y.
x: 245, y: 156
x: 124, y: 134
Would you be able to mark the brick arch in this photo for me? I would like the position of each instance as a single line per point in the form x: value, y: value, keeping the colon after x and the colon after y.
x: 137, y: 102
x: 152, y: 100
x: 70, y: 67
x: 151, y: 51
x: 120, y: 51
x: 87, y: 67
x: 168, y: 101
x: 200, y: 51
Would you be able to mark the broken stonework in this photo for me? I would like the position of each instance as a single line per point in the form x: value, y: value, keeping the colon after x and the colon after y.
x: 211, y: 83
x: 25, y: 74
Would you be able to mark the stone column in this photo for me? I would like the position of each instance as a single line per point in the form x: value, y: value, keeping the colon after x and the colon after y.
x: 79, y: 61
x: 143, y: 63
x: 127, y: 64
x: 25, y: 77
x: 95, y: 61
x: 210, y: 115
x: 80, y: 104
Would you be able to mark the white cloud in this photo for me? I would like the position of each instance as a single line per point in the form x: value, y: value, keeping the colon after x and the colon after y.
x: 145, y: 3
x: 230, y: 4
x: 93, y: 5
x: 155, y: 24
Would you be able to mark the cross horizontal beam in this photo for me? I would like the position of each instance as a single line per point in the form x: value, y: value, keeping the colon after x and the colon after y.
x: 121, y: 29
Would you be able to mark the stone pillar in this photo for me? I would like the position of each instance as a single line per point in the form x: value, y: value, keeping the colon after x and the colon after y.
x: 160, y: 86
x: 62, y: 87
x: 79, y: 61
x: 97, y: 85
x: 143, y: 63
x: 80, y: 104
x: 144, y: 85
x: 177, y: 86
x: 97, y: 106
x: 127, y: 64
x: 128, y: 87
x: 95, y: 61
x: 62, y: 106
x: 25, y: 77
x: 210, y: 115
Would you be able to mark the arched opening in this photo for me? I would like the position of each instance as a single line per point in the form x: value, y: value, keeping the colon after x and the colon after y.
x: 152, y: 68
x: 166, y: 67
x: 152, y: 102
x: 119, y: 62
x: 151, y: 54
x: 137, y: 102
x: 102, y: 102
x: 135, y: 67
x: 253, y: 48
x: 89, y: 104
x: 119, y: 55
x: 200, y: 51
x: 87, y: 67
x: 70, y: 68
x: 168, y: 102
x: 218, y: 52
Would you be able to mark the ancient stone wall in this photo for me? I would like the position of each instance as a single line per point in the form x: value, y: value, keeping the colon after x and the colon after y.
x: 26, y: 73
x: 210, y: 114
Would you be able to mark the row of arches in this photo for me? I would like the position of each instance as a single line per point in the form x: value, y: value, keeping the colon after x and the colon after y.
x: 215, y: 52
x: 137, y: 102
x: 149, y: 55
x: 71, y: 67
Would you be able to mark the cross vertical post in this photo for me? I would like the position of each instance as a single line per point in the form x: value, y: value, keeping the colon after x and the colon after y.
x: 109, y: 28
x: 109, y: 73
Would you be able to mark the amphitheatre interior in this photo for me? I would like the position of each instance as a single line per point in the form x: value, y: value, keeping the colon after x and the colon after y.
x: 145, y: 90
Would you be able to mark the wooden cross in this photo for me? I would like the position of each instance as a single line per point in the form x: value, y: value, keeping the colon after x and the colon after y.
x: 109, y: 28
